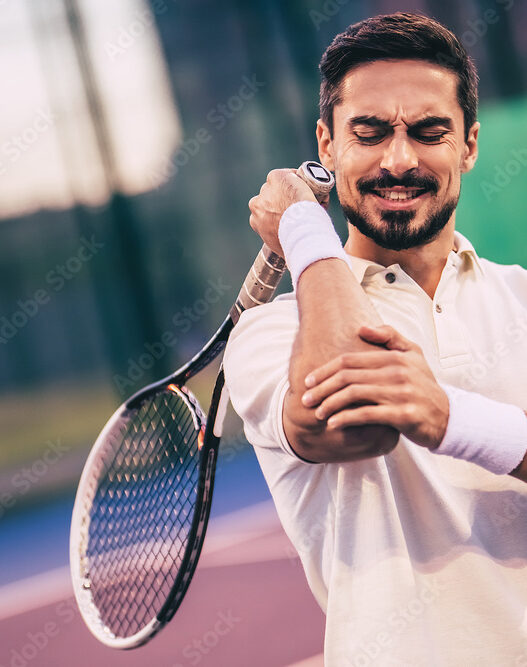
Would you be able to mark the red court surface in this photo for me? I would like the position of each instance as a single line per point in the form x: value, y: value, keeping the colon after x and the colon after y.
x: 248, y: 605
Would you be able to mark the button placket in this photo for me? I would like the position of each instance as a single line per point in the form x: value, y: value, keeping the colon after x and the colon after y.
x: 451, y: 342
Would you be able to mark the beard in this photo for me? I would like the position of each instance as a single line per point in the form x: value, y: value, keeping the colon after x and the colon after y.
x: 394, y: 232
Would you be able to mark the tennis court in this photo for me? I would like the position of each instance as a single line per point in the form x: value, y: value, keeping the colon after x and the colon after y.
x: 248, y: 602
x: 247, y: 605
x: 134, y: 134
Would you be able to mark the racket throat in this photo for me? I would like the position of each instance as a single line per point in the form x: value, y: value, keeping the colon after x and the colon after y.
x: 221, y: 412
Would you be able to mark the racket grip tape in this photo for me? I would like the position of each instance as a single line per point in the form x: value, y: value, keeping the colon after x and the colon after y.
x: 268, y: 267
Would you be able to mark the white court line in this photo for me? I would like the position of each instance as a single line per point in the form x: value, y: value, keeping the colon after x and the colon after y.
x: 314, y: 661
x: 35, y: 592
x: 225, y: 531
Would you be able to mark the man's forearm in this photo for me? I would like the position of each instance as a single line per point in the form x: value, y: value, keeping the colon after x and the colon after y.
x: 332, y: 307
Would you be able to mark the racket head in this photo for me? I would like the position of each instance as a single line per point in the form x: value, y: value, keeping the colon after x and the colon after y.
x: 140, y: 515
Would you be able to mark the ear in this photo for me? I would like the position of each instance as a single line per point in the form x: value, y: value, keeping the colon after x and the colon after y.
x: 325, y: 145
x: 470, y: 150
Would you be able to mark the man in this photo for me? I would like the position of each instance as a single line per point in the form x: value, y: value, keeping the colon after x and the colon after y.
x: 397, y: 470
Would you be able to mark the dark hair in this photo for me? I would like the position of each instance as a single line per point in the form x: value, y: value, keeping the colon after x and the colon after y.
x: 397, y: 36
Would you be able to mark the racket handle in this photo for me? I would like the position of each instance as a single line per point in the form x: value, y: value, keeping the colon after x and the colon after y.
x: 268, y: 267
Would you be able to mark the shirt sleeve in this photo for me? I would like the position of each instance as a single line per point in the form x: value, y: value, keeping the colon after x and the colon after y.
x: 515, y: 277
x: 256, y: 365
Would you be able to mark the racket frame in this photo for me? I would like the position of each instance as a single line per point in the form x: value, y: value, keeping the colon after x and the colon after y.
x: 258, y: 288
x: 207, y: 465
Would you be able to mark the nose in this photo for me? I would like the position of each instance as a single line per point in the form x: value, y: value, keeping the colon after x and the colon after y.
x: 399, y: 155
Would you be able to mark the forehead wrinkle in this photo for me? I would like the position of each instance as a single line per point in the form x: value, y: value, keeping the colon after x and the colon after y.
x: 380, y: 119
x: 422, y: 121
x: 398, y: 108
x: 412, y: 117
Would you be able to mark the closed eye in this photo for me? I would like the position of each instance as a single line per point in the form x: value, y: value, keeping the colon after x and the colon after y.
x: 429, y: 138
x: 370, y: 139
x: 419, y: 135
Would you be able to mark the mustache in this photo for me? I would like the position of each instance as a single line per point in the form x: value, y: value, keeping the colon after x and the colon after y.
x: 427, y: 183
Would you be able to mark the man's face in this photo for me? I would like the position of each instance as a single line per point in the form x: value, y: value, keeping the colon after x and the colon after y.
x: 398, y: 150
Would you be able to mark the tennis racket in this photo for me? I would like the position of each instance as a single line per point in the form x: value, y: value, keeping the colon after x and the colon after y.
x: 145, y: 493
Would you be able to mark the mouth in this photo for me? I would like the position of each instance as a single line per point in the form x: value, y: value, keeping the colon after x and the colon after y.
x: 398, y: 197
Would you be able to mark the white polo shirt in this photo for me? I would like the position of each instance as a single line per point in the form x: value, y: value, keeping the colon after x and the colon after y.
x: 416, y: 559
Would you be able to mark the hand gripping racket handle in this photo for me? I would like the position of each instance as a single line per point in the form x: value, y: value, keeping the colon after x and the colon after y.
x: 268, y: 267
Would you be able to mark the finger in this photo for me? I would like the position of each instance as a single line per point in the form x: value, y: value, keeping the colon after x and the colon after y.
x: 364, y: 415
x: 318, y: 375
x: 357, y: 395
x: 323, y: 200
x: 386, y: 336
x: 351, y: 397
x: 342, y: 378
x: 349, y: 360
x: 276, y: 174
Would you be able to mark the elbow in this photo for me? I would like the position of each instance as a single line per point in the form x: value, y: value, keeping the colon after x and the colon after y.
x: 312, y: 441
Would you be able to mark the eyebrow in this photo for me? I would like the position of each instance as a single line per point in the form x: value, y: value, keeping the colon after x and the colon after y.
x: 432, y: 121
x: 426, y: 121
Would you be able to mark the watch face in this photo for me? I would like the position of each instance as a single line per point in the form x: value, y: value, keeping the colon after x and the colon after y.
x: 318, y: 172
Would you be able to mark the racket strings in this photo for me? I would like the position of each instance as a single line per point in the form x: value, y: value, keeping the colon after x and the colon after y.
x: 136, y: 542
x: 147, y: 551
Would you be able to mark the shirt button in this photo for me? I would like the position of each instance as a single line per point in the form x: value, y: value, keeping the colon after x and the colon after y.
x: 390, y: 277
x: 438, y: 308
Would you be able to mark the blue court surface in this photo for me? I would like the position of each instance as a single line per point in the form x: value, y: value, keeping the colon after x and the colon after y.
x: 36, y: 540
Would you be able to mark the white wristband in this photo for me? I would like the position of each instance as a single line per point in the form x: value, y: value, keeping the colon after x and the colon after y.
x: 306, y: 235
x: 489, y: 433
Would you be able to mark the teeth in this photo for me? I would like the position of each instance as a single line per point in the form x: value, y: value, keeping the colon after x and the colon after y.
x: 386, y: 194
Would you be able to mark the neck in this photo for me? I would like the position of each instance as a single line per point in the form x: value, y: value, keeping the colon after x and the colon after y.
x: 424, y: 264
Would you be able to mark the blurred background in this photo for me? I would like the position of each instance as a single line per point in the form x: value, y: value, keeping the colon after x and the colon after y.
x: 132, y: 135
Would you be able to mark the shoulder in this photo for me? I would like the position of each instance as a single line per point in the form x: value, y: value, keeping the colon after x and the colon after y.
x: 514, y: 275
x: 256, y: 365
x: 281, y: 314
x: 504, y: 284
x: 263, y: 337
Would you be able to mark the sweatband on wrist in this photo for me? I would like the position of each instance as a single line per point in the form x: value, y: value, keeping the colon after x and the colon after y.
x: 306, y: 235
x: 489, y: 433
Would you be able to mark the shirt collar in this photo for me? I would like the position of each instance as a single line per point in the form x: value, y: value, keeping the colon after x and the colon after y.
x: 464, y: 248
x: 363, y: 268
